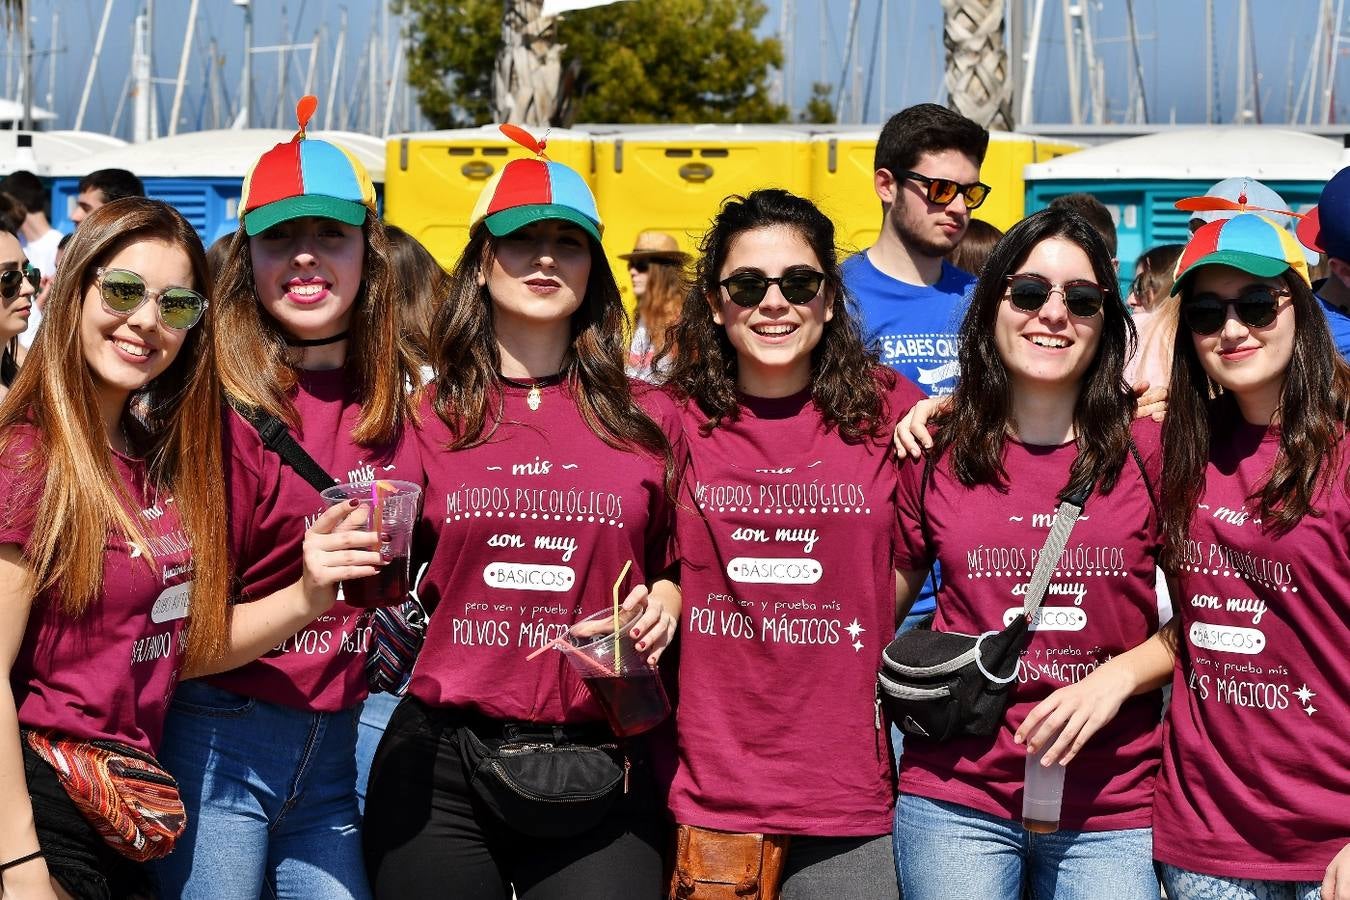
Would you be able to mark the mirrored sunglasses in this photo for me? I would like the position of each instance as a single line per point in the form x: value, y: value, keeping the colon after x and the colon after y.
x: 11, y: 280
x: 124, y: 292
x: 943, y: 190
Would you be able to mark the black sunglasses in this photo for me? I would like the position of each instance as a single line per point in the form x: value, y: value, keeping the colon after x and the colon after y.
x: 123, y: 292
x: 798, y: 286
x: 638, y: 265
x: 943, y: 190
x: 1029, y: 293
x: 11, y: 280
x: 1256, y: 308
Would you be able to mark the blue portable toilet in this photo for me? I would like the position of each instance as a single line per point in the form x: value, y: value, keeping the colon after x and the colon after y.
x: 200, y: 173
x: 1139, y: 179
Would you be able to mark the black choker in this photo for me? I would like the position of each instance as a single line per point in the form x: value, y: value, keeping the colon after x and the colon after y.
x: 535, y: 397
x: 316, y: 342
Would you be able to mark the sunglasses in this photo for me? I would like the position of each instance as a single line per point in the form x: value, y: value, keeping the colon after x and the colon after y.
x: 639, y: 265
x: 124, y: 292
x: 11, y: 280
x: 1029, y: 293
x: 798, y: 286
x: 943, y: 190
x: 1256, y: 308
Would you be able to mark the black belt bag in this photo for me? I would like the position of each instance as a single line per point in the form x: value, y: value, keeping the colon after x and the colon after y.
x: 940, y: 685
x: 541, y: 782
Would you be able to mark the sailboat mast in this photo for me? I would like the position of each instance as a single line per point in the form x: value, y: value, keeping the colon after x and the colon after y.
x: 337, y: 69
x: 181, y: 81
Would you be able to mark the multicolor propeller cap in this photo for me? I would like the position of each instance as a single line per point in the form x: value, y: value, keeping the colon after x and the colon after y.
x: 1249, y: 242
x: 305, y: 177
x: 525, y: 191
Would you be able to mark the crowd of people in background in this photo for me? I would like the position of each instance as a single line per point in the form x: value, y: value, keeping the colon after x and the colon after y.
x: 787, y: 454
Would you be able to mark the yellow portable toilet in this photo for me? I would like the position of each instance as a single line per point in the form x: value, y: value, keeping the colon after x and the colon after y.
x: 841, y: 185
x: 841, y: 180
x: 674, y: 178
x: 433, y: 179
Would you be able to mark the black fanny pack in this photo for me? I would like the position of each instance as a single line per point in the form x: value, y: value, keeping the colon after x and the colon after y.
x: 940, y: 685
x: 545, y: 781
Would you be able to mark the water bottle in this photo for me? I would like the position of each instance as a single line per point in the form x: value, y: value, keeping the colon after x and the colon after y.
x: 1042, y: 794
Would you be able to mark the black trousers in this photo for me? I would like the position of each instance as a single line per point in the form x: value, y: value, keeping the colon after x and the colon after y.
x: 427, y: 836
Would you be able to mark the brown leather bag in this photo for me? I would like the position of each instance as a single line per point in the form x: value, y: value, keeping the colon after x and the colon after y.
x: 721, y: 865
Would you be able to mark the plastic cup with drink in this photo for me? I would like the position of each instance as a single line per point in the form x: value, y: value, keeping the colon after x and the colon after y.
x: 391, y: 510
x: 603, y: 652
x: 1042, y: 793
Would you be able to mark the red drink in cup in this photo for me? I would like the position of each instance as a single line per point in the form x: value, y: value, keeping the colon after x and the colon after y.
x: 628, y: 690
x: 391, y: 510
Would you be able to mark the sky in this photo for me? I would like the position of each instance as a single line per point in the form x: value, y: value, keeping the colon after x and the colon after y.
x: 892, y: 67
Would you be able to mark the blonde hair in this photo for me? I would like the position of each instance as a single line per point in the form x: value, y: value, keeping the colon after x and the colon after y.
x: 81, y: 499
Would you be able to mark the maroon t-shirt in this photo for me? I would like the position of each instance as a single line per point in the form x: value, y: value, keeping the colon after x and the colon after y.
x: 786, y: 543
x: 110, y: 672
x: 1101, y: 602
x: 1255, y: 780
x: 320, y: 668
x: 523, y: 535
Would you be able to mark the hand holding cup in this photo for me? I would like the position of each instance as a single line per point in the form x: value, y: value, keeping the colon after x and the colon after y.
x: 338, y: 547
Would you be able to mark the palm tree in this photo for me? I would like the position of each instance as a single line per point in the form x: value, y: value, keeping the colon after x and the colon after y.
x: 529, y: 65
x: 977, y: 80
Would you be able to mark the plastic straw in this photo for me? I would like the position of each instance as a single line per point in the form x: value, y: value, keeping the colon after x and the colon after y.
x: 618, y: 584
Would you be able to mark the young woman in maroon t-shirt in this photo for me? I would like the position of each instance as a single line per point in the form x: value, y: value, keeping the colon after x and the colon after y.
x: 1041, y: 408
x: 1251, y: 795
x: 265, y: 746
x: 548, y: 476
x: 113, y: 513
x: 786, y: 544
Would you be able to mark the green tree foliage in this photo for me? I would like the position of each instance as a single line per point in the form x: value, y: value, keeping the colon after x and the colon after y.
x: 819, y: 109
x: 452, y: 58
x: 640, y: 61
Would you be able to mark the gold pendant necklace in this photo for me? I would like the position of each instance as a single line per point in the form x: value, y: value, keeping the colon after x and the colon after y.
x: 534, y: 393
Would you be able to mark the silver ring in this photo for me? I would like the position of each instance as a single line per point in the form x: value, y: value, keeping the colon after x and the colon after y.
x: 979, y: 662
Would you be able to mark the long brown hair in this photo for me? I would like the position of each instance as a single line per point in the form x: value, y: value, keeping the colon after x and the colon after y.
x: 1313, y: 414
x: 844, y: 372
x: 975, y: 428
x: 179, y: 432
x: 466, y: 390
x: 659, y: 305
x: 425, y: 286
x: 251, y: 346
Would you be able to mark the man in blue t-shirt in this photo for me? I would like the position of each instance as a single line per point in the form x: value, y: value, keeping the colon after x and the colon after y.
x: 1327, y: 230
x: 928, y: 180
x: 927, y: 176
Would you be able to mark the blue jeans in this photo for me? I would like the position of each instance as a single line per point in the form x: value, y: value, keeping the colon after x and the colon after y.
x: 375, y: 713
x: 947, y: 850
x: 1183, y: 884
x: 270, y: 796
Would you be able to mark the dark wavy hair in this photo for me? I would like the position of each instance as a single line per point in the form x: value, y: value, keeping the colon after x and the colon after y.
x: 466, y: 389
x: 977, y: 422
x: 846, y: 381
x: 1313, y: 414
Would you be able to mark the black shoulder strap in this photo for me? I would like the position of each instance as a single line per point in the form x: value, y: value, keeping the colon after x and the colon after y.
x: 277, y: 438
x: 927, y: 476
x: 1143, y: 474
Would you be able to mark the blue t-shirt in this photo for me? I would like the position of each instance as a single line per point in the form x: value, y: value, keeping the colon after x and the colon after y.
x: 1339, y: 323
x: 913, y: 325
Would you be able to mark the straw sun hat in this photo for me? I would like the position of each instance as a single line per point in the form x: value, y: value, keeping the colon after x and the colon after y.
x: 658, y: 246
